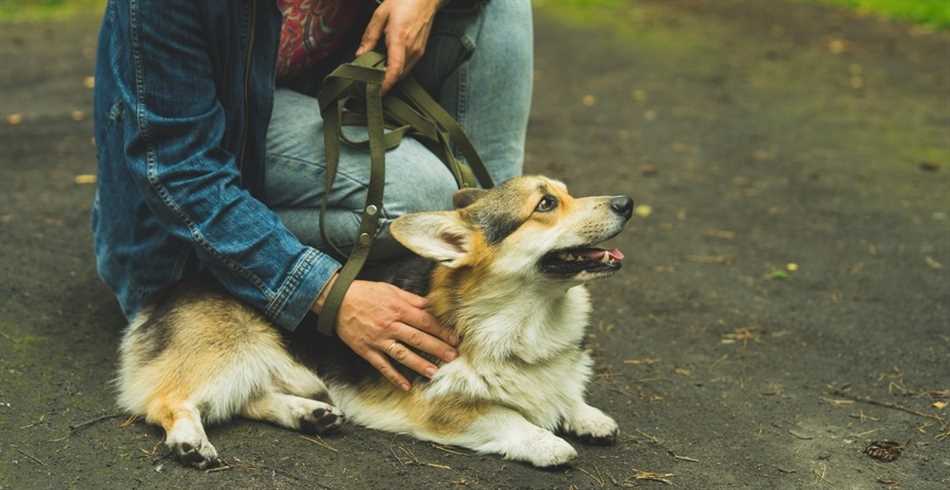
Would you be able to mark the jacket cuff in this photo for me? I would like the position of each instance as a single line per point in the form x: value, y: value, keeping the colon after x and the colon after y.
x: 300, y: 289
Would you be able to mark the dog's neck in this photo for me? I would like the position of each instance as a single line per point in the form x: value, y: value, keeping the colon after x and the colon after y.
x: 510, y: 320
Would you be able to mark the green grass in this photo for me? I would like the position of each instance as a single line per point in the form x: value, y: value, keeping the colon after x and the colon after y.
x: 47, y: 10
x: 931, y: 12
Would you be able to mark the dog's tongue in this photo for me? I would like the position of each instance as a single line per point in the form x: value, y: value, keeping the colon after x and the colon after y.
x: 597, y: 254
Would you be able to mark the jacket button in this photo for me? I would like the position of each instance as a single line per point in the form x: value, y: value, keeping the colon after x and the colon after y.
x: 371, y: 209
x: 364, y: 238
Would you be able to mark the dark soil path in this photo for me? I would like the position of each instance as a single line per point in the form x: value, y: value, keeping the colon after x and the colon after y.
x: 759, y: 133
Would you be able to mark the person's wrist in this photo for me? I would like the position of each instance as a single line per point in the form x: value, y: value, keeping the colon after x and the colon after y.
x: 318, y: 303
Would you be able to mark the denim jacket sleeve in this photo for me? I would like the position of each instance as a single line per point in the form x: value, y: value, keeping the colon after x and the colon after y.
x: 191, y: 183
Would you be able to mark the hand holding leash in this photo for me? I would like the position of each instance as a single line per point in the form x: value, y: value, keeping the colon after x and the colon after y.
x: 379, y: 321
x: 406, y: 24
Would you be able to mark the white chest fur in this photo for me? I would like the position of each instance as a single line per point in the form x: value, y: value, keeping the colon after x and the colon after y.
x: 524, y: 354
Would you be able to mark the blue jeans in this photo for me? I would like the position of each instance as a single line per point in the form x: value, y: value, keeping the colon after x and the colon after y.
x: 489, y: 93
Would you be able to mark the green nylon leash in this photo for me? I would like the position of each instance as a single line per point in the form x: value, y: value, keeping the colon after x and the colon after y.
x: 351, y: 96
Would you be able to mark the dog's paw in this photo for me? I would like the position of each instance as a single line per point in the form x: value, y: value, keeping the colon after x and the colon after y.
x: 592, y: 426
x: 323, y: 419
x: 549, y: 451
x: 199, y: 454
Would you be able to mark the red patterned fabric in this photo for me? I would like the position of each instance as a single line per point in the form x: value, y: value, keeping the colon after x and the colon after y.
x: 312, y: 29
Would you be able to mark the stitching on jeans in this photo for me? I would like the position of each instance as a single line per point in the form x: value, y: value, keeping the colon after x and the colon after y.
x: 152, y: 161
x: 291, y: 283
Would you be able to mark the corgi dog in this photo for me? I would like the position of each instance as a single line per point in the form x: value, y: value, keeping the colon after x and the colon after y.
x: 506, y: 269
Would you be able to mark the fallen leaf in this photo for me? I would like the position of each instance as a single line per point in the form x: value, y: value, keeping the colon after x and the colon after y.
x: 929, y: 166
x: 778, y: 274
x: 78, y: 115
x: 718, y: 233
x: 837, y: 46
x: 682, y: 371
x: 762, y: 155
x: 589, y: 100
x: 643, y: 210
x: 84, y: 179
x: 791, y: 267
x: 646, y: 361
x: 648, y: 170
x: 89, y: 82
x: 14, y: 119
x: 939, y: 405
x: 933, y: 264
x: 649, y: 115
x: 640, y: 95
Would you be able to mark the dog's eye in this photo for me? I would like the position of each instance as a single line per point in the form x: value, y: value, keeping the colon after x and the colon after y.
x: 546, y: 204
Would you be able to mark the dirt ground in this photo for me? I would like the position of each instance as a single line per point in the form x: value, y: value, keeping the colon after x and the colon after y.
x: 755, y: 134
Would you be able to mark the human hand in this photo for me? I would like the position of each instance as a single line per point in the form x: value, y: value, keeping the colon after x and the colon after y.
x: 380, y: 321
x: 406, y: 24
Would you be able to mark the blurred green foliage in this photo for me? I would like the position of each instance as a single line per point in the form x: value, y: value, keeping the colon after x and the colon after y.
x: 42, y: 10
x: 931, y: 12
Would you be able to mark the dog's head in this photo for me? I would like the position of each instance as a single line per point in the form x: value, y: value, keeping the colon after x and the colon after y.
x: 530, y: 227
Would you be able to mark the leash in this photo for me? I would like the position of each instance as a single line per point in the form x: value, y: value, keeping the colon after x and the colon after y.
x: 351, y: 95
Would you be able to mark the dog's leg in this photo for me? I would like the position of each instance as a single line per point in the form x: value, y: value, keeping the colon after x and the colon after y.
x: 294, y: 412
x: 506, y: 432
x: 184, y: 434
x: 590, y: 425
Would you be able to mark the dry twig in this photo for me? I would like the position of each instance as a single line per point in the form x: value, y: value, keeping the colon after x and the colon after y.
x: 28, y: 455
x: 319, y: 441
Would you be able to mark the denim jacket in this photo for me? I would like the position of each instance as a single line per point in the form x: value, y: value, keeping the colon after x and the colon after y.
x: 183, y: 97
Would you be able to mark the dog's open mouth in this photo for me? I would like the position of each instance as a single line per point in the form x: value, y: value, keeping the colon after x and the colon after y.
x: 581, y: 259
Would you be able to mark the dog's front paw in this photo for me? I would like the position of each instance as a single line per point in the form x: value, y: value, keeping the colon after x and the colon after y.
x: 323, y: 419
x: 592, y: 426
x: 199, y: 453
x: 549, y: 451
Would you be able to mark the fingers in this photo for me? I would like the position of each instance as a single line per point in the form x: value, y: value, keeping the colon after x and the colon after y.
x: 424, y: 342
x: 396, y: 62
x: 382, y: 365
x: 412, y: 299
x: 373, y: 31
x: 410, y: 359
x: 424, y: 321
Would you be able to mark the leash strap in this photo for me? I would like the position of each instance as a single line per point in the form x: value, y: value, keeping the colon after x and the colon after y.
x: 351, y: 96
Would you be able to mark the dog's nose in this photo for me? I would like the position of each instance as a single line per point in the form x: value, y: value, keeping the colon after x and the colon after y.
x: 622, y: 205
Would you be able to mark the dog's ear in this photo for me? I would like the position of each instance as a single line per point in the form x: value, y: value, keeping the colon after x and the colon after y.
x: 440, y: 236
x: 464, y: 197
